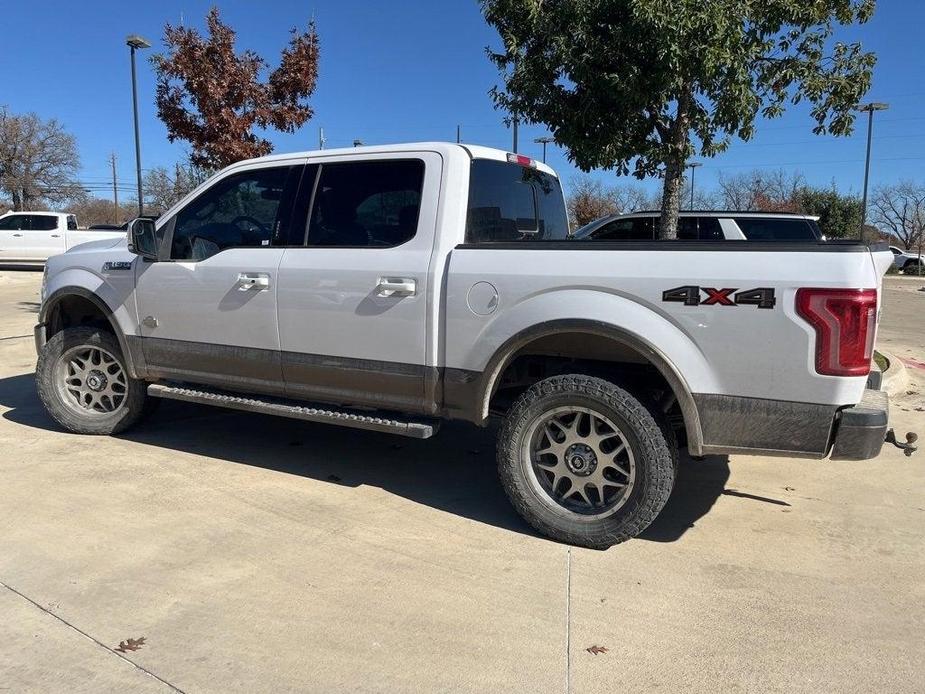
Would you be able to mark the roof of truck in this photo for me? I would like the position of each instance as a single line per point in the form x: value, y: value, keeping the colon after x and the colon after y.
x: 474, y: 151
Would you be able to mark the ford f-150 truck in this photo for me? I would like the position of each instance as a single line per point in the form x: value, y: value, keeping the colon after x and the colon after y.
x: 388, y: 288
x: 30, y: 238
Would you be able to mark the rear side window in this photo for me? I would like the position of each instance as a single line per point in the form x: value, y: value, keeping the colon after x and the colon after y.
x: 699, y: 229
x: 71, y: 222
x: 510, y: 202
x: 367, y: 203
x: 44, y: 222
x: 757, y: 229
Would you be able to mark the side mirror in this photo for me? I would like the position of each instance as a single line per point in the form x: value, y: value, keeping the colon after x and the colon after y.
x: 142, y: 239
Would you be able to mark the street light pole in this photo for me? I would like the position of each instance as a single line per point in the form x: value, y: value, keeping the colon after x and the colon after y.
x: 135, y: 42
x: 693, y: 166
x: 870, y: 108
x: 544, y: 141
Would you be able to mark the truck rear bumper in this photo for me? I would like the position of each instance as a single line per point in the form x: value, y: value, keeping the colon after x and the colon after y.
x: 860, y: 430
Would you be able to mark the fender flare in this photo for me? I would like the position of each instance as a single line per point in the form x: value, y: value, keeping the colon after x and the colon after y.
x: 52, y: 301
x: 505, y: 354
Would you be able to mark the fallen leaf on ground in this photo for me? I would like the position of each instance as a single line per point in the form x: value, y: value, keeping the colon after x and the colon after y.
x: 594, y: 650
x: 789, y: 489
x: 130, y: 645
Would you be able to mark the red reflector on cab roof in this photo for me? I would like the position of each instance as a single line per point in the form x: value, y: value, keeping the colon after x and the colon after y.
x: 521, y: 159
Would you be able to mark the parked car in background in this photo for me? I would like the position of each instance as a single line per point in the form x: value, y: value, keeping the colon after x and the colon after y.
x: 905, y: 260
x: 30, y: 238
x: 706, y: 226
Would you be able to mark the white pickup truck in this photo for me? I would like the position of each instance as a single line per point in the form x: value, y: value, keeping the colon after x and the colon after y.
x: 388, y: 288
x: 30, y: 238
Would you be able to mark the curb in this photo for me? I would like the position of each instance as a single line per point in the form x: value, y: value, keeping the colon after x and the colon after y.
x: 895, y: 378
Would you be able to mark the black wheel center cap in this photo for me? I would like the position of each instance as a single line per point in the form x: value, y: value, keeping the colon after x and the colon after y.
x: 96, y: 381
x: 580, y: 459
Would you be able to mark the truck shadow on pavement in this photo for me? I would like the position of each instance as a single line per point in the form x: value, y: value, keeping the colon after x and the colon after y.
x: 453, y: 472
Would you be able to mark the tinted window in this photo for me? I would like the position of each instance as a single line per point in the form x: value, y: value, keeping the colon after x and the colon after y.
x: 71, y: 222
x: 369, y: 203
x: 509, y: 202
x: 634, y: 229
x: 43, y: 222
x: 757, y: 229
x: 699, y: 228
x: 240, y: 211
x: 14, y: 222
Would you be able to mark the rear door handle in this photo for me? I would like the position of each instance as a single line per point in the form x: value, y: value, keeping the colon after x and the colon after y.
x: 396, y: 286
x: 253, y: 280
x: 17, y: 235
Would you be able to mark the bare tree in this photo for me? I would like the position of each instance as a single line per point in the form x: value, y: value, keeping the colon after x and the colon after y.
x: 589, y: 199
x: 38, y: 161
x: 899, y: 209
x: 767, y: 191
x: 100, y: 211
x: 164, y: 188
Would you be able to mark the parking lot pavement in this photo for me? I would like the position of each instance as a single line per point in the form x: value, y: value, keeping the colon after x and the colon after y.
x: 261, y: 554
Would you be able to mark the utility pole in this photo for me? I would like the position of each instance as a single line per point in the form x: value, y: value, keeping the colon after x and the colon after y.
x: 870, y: 108
x: 515, y: 124
x: 458, y: 134
x: 693, y: 167
x: 321, y: 138
x: 115, y: 190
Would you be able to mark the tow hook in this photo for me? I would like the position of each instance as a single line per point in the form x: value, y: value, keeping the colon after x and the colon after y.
x: 906, y: 447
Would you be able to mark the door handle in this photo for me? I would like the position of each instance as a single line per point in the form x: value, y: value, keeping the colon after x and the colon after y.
x: 56, y: 236
x: 396, y: 286
x: 253, y: 280
x: 17, y: 235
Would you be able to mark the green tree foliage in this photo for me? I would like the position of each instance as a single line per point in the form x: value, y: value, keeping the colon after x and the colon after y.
x: 639, y: 86
x: 839, y: 215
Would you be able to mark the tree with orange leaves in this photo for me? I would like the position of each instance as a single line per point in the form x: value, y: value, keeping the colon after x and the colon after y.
x: 213, y: 97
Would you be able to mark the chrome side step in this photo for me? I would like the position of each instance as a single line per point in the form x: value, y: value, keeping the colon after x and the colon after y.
x: 283, y: 408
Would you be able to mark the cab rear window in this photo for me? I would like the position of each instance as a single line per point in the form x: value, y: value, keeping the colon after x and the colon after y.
x: 510, y: 202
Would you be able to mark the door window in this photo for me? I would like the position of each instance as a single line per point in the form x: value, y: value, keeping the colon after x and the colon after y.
x: 367, y: 204
x: 43, y: 222
x: 699, y: 229
x: 15, y: 222
x: 633, y: 229
x: 241, y: 211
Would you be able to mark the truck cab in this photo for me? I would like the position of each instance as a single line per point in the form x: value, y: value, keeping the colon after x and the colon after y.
x: 30, y: 238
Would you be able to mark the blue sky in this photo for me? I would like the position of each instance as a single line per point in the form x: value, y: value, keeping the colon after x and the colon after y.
x: 403, y: 70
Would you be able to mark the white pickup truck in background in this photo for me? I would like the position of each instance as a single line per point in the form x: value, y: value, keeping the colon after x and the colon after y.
x: 30, y: 238
x: 388, y: 288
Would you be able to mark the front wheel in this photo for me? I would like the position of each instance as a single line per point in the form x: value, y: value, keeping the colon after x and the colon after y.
x: 84, y: 384
x: 584, y: 461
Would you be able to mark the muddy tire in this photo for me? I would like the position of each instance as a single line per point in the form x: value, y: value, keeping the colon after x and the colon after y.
x: 586, y: 462
x: 84, y: 384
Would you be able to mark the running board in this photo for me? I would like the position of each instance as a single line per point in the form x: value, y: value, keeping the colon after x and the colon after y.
x: 283, y: 408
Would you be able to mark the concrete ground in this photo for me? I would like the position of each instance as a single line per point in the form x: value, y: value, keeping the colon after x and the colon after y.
x: 263, y: 555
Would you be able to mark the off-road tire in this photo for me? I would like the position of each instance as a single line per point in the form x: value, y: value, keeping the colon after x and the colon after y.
x: 133, y: 406
x: 646, y: 432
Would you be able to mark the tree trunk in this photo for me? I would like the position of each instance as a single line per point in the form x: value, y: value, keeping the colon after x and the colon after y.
x: 17, y: 201
x: 671, y: 200
x: 674, y: 167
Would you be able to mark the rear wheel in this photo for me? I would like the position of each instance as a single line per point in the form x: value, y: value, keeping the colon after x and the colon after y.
x: 584, y: 461
x: 84, y: 384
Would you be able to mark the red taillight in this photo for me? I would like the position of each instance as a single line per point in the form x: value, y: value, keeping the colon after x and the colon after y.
x: 845, y: 321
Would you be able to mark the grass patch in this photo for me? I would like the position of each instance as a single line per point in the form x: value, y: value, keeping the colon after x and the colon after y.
x: 881, y: 361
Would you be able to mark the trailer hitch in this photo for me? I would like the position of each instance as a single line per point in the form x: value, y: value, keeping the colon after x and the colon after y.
x: 906, y: 447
